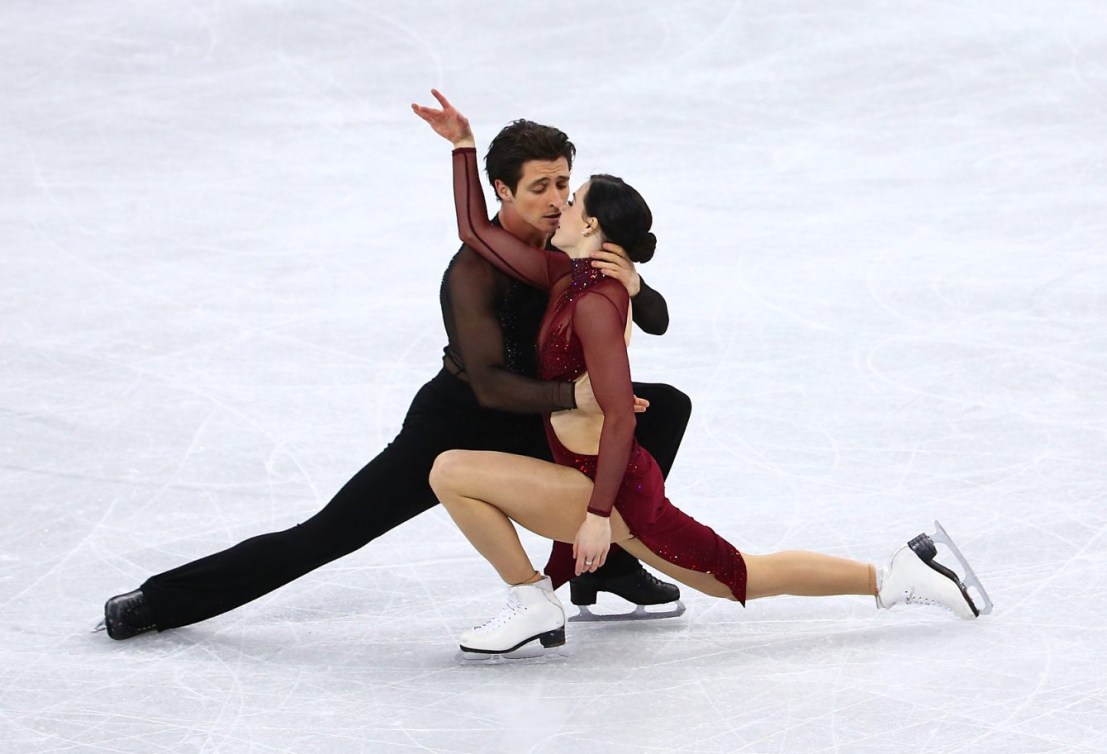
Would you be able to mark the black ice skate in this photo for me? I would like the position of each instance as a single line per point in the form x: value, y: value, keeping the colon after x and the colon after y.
x: 914, y: 576
x: 638, y: 587
x: 127, y: 615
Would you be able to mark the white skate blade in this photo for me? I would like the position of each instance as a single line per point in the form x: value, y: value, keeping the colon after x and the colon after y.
x: 972, y: 584
x: 640, y: 612
x: 99, y: 627
x: 529, y: 654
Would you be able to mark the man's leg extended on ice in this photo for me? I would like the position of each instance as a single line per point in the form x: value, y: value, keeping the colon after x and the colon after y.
x: 388, y: 491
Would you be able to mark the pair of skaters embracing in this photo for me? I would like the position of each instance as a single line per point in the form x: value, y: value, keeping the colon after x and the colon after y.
x: 602, y: 487
x: 559, y: 422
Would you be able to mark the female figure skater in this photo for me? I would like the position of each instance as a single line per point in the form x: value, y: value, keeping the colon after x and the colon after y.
x: 604, y: 487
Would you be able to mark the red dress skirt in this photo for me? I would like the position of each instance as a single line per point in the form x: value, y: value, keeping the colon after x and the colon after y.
x: 658, y: 524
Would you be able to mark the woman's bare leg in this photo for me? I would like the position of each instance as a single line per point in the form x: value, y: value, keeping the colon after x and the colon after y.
x: 485, y: 491
x: 807, y: 574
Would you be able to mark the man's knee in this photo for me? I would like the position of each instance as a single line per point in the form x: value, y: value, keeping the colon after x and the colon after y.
x: 680, y: 402
x: 671, y: 406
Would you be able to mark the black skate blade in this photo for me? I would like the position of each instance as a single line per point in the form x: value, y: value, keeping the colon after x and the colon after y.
x: 640, y: 612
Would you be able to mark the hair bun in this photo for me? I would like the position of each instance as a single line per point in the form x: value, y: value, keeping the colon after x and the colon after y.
x: 644, y: 249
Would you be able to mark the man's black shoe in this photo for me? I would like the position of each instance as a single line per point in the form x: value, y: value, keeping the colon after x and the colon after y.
x: 638, y: 586
x: 127, y: 615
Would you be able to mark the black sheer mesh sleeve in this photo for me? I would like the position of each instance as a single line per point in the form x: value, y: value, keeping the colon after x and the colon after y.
x: 472, y: 291
x: 651, y: 313
x: 537, y: 267
x: 599, y: 320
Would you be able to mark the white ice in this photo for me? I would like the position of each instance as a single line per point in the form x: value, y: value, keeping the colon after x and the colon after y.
x: 882, y: 239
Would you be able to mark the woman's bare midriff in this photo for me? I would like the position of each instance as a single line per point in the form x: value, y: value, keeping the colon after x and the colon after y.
x: 578, y: 431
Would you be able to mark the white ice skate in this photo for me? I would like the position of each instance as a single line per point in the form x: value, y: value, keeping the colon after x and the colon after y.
x: 914, y: 577
x: 532, y: 612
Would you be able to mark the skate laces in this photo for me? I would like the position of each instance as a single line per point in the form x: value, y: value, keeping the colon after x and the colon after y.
x: 506, y: 612
x: 910, y: 596
x: 912, y: 599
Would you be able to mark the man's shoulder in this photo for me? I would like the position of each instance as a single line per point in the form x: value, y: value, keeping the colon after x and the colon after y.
x: 468, y: 260
x: 469, y: 271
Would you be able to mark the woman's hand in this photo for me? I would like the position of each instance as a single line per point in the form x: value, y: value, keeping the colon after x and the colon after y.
x: 592, y: 542
x: 447, y: 122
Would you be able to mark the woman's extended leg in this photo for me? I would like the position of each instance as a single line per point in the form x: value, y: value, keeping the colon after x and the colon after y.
x: 796, y: 572
x: 910, y: 578
x: 485, y: 491
x: 807, y: 574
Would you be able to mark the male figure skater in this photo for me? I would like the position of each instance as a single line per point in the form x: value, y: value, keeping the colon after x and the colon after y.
x: 486, y: 397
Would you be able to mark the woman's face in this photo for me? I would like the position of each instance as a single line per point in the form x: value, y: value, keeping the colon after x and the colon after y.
x: 573, y: 223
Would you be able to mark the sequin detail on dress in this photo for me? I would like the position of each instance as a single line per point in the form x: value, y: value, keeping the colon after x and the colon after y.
x: 560, y: 356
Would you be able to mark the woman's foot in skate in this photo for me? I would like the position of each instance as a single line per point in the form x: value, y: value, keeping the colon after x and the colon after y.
x: 915, y: 577
x: 532, y: 612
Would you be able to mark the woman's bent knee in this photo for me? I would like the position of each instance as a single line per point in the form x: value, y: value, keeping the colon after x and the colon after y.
x: 447, y: 471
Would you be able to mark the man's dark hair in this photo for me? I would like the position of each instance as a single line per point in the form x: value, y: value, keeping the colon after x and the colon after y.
x: 623, y: 215
x: 522, y: 141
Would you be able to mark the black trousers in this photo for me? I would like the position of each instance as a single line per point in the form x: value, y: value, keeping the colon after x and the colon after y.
x: 391, y: 489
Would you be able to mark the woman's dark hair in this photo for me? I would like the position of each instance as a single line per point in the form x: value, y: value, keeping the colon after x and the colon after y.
x: 623, y: 214
x: 522, y: 141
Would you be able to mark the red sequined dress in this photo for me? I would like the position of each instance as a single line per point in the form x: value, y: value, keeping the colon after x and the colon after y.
x: 583, y: 331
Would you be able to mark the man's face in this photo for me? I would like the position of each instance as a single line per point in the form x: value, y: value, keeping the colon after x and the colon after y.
x: 541, y: 193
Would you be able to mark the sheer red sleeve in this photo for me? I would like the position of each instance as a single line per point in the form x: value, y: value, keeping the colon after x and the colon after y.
x: 599, y: 320
x: 507, y: 253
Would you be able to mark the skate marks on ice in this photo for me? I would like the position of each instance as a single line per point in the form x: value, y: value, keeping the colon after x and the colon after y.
x: 903, y: 287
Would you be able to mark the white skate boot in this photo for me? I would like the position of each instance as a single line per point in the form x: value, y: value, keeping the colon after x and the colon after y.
x: 532, y: 612
x: 914, y: 577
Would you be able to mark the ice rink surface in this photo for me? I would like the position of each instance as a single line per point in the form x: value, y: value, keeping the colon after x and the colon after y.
x: 883, y: 239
